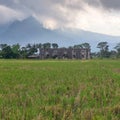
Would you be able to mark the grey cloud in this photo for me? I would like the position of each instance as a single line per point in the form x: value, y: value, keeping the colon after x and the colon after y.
x: 41, y: 6
x: 62, y: 11
x: 93, y: 2
x: 7, y: 14
x: 114, y: 4
x: 46, y: 6
x: 107, y: 4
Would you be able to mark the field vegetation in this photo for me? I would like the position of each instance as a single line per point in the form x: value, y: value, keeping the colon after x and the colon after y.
x: 60, y: 90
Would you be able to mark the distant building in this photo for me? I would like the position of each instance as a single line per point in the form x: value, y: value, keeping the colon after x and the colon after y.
x: 64, y: 53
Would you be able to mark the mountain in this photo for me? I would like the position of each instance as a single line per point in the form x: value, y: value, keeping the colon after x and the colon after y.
x: 31, y: 31
x: 3, y: 28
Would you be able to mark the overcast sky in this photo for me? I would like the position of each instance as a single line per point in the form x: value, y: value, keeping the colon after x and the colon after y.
x: 102, y: 16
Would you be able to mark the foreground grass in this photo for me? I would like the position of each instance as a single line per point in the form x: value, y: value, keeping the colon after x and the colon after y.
x: 59, y: 90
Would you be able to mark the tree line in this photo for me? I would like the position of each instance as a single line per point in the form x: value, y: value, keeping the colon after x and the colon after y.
x: 16, y: 51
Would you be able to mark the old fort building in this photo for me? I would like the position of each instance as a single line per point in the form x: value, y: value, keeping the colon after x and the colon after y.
x: 64, y: 53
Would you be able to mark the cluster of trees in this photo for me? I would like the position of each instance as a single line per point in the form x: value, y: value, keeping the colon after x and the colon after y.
x: 16, y: 51
x: 83, y: 45
x: 105, y: 53
x: 103, y: 50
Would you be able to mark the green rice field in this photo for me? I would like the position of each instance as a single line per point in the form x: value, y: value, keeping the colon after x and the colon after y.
x: 59, y: 89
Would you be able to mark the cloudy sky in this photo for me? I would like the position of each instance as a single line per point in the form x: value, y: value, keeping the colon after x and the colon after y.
x: 101, y: 16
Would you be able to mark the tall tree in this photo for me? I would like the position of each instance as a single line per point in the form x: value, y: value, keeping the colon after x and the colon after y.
x: 104, y: 49
x: 54, y: 45
x: 7, y: 52
x: 46, y: 45
x: 3, y: 46
x: 28, y: 46
x: 23, y: 52
x: 39, y: 46
x: 102, y: 45
x: 78, y: 46
x: 117, y: 47
x: 16, y: 50
x: 31, y: 49
x: 85, y: 45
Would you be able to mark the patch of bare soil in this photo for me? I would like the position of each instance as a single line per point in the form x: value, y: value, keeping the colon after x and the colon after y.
x: 117, y: 70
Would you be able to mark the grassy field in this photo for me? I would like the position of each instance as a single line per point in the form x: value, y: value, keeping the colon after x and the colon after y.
x: 59, y: 90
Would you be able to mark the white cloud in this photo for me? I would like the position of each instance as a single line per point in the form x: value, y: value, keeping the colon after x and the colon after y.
x: 8, y: 14
x: 96, y: 20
